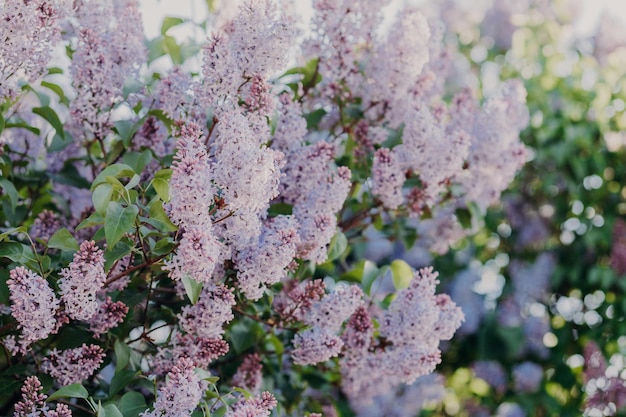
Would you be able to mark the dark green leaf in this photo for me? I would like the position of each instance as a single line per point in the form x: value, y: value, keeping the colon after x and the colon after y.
x: 122, y: 355
x: 132, y: 404
x: 193, y: 288
x: 109, y: 410
x: 63, y: 239
x: 118, y: 221
x: 10, y: 190
x: 120, y: 380
x: 69, y: 391
x: 51, y: 116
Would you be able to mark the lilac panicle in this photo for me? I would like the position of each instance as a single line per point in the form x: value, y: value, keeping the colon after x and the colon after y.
x: 181, y: 393
x: 73, y: 365
x: 82, y: 280
x: 34, y: 306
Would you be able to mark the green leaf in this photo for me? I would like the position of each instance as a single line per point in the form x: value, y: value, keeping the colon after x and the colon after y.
x: 133, y: 182
x: 370, y: 273
x: 193, y: 288
x: 402, y: 274
x: 464, y: 216
x: 115, y: 171
x: 120, y: 380
x: 280, y: 208
x: 122, y: 355
x: 137, y: 160
x: 69, y: 391
x: 17, y: 252
x: 338, y: 245
x: 57, y: 89
x: 313, y: 119
x: 63, y: 239
x: 132, y: 404
x: 10, y: 232
x: 10, y: 190
x: 1, y: 123
x: 131, y: 85
x: 155, y: 48
x: 169, y: 22
x: 173, y: 49
x: 95, y: 219
x: 111, y: 255
x: 161, y: 183
x: 159, y: 219
x: 101, y: 198
x: 109, y: 410
x: 117, y: 221
x: 54, y: 70
x: 51, y: 116
x: 126, y: 129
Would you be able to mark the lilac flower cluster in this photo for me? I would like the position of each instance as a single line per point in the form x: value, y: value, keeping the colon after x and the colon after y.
x: 326, y: 316
x: 82, y: 280
x: 108, y: 50
x: 181, y: 394
x: 34, y: 306
x: 73, y: 365
x: 410, y: 331
x: 29, y: 31
x: 33, y: 402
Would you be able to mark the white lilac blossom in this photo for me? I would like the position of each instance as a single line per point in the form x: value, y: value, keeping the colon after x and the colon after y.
x: 82, y: 280
x: 29, y: 31
x: 290, y: 126
x: 341, y: 30
x: 247, y: 174
x: 267, y: 262
x: 326, y: 316
x: 73, y: 365
x: 496, y: 152
x: 208, y: 316
x: 195, y: 256
x: 317, y: 191
x: 191, y: 196
x: 108, y: 51
x: 395, y: 65
x: 416, y: 320
x: 191, y: 190
x: 254, y: 44
x: 181, y: 393
x: 109, y: 315
x: 33, y: 305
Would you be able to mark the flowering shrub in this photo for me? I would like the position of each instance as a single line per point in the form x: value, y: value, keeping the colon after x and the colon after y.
x: 185, y: 243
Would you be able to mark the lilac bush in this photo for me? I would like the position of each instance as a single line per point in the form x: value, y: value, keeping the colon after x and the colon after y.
x: 186, y: 243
